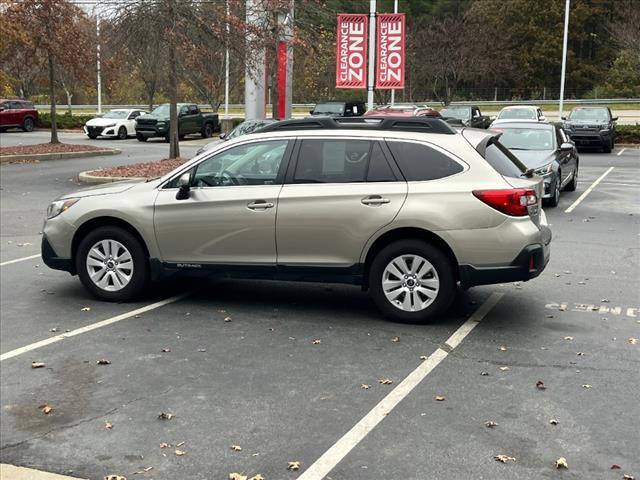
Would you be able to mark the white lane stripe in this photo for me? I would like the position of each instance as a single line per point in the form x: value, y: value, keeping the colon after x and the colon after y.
x: 587, y: 191
x: 620, y: 152
x: 9, y: 262
x: 329, y: 459
x: 93, y: 326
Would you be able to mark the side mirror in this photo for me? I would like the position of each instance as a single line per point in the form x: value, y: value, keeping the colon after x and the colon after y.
x: 563, y: 118
x: 223, y: 136
x: 311, y: 112
x: 614, y: 119
x: 566, y: 147
x: 542, y: 118
x: 184, y: 185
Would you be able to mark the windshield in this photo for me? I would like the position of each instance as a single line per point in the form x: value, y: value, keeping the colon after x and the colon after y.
x: 162, y: 110
x: 527, y: 139
x: 116, y: 114
x: 331, y: 108
x: 245, y: 128
x: 461, y: 113
x: 518, y: 113
x: 591, y: 114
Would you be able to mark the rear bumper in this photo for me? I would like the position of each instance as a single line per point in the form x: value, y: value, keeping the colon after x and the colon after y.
x: 529, y: 263
x: 51, y: 260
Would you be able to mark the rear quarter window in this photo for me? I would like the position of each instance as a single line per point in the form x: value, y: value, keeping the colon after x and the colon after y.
x: 419, y: 162
x: 503, y: 161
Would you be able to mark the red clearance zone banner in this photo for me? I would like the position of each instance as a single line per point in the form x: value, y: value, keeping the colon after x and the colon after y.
x: 390, y: 53
x: 351, y: 51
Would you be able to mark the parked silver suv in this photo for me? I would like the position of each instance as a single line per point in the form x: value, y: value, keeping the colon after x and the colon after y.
x: 407, y: 208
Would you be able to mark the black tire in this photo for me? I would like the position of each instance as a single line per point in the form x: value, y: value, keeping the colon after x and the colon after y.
x: 608, y: 146
x: 141, y: 138
x: 92, y: 136
x: 28, y: 124
x: 555, y: 199
x: 122, y: 133
x: 139, y: 277
x: 167, y: 137
x: 207, y: 130
x: 442, y: 266
x: 573, y: 184
x: 3, y: 129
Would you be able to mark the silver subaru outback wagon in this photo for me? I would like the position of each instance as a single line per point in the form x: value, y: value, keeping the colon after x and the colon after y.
x: 407, y: 208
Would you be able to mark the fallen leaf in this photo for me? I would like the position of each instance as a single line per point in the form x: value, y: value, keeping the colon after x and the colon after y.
x: 115, y: 477
x: 490, y: 424
x: 395, y: 339
x: 103, y: 361
x: 165, y: 416
x: 228, y: 319
x: 164, y: 445
x: 540, y: 385
x: 484, y: 374
x: 180, y: 444
x: 38, y: 365
x: 440, y: 398
x: 553, y: 421
x: 108, y: 425
x: 580, y: 354
x: 46, y: 409
x: 144, y: 470
x: 166, y: 349
x: 53, y: 330
x: 423, y: 357
x: 237, y: 476
x: 257, y: 477
x: 562, y: 308
x: 568, y: 338
x: 628, y: 477
x: 615, y: 466
x: 179, y: 452
x: 364, y: 386
x: 236, y: 448
x: 633, y: 340
x: 385, y: 381
x: 85, y: 309
x: 202, y: 350
x: 504, y: 369
x: 548, y: 316
x: 504, y: 458
x: 317, y: 341
x: 293, y: 466
x: 562, y: 463
x: 604, y: 300
x: 586, y: 385
x: 502, y: 348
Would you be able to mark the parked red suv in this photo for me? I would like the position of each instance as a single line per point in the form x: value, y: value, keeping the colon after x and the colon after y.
x: 17, y: 114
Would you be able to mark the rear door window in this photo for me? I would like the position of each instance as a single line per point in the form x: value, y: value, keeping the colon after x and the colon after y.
x: 332, y: 161
x: 420, y: 162
x: 503, y: 161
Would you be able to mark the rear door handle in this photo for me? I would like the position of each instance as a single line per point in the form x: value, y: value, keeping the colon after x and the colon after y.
x: 259, y: 205
x: 374, y: 200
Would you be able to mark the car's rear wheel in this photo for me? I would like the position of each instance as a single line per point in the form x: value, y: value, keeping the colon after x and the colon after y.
x: 141, y: 138
x: 412, y: 281
x: 573, y: 184
x: 28, y: 124
x: 112, y: 264
x: 207, y: 130
x: 122, y: 133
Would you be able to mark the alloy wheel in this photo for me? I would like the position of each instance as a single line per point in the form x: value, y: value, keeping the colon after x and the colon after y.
x: 110, y: 265
x: 410, y: 283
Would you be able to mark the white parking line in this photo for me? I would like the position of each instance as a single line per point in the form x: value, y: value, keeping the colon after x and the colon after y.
x: 587, y: 191
x: 321, y: 467
x: 620, y: 152
x: 93, y: 326
x: 9, y: 262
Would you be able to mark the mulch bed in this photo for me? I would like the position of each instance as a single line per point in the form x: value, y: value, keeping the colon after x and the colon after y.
x: 48, y: 148
x: 146, y: 170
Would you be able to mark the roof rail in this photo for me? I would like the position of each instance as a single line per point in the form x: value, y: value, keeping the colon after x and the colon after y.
x: 405, y: 124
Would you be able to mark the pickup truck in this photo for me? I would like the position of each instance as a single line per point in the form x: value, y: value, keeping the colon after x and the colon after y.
x: 190, y: 120
x: 468, y: 115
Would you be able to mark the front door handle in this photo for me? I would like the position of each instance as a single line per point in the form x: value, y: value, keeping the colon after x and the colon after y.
x: 374, y: 200
x: 259, y: 205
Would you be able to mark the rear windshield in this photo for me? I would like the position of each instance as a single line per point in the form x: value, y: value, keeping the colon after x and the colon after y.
x: 503, y: 161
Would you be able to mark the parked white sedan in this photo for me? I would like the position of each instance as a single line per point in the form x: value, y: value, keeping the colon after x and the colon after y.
x: 117, y: 123
x: 519, y: 113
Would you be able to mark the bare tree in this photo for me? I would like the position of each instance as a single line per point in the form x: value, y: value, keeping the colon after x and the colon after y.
x: 626, y: 29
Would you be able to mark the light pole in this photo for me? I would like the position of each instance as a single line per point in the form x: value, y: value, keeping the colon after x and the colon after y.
x: 98, y: 63
x: 372, y: 52
x: 226, y: 66
x: 564, y: 56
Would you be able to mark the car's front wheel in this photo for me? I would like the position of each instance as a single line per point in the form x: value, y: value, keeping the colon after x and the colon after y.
x: 122, y: 133
x: 140, y: 137
x: 555, y: 198
x: 412, y: 281
x: 112, y: 264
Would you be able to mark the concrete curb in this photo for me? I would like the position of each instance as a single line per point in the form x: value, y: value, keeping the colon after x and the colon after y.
x: 86, y: 177
x: 59, y: 155
x: 11, y: 472
x: 628, y: 145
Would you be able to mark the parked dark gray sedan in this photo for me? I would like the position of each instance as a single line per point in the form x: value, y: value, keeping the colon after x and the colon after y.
x: 547, y: 150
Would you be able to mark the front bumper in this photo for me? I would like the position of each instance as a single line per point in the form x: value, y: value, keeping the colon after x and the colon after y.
x: 529, y: 263
x: 549, y: 182
x: 590, y: 139
x: 51, y: 260
x: 150, y: 132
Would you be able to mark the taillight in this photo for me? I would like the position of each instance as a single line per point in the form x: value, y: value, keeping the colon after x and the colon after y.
x: 514, y: 202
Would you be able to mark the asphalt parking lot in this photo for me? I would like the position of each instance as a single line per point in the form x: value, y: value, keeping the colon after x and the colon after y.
x: 278, y: 369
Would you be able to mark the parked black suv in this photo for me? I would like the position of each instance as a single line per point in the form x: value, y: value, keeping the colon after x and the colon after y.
x: 591, y: 127
x: 339, y: 109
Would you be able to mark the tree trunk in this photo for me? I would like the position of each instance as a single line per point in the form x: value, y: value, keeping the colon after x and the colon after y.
x: 69, y: 97
x: 52, y: 95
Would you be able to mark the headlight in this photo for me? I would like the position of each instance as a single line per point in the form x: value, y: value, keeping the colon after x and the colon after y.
x: 162, y: 124
x: 59, y: 206
x: 604, y: 129
x: 110, y: 125
x: 544, y: 170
